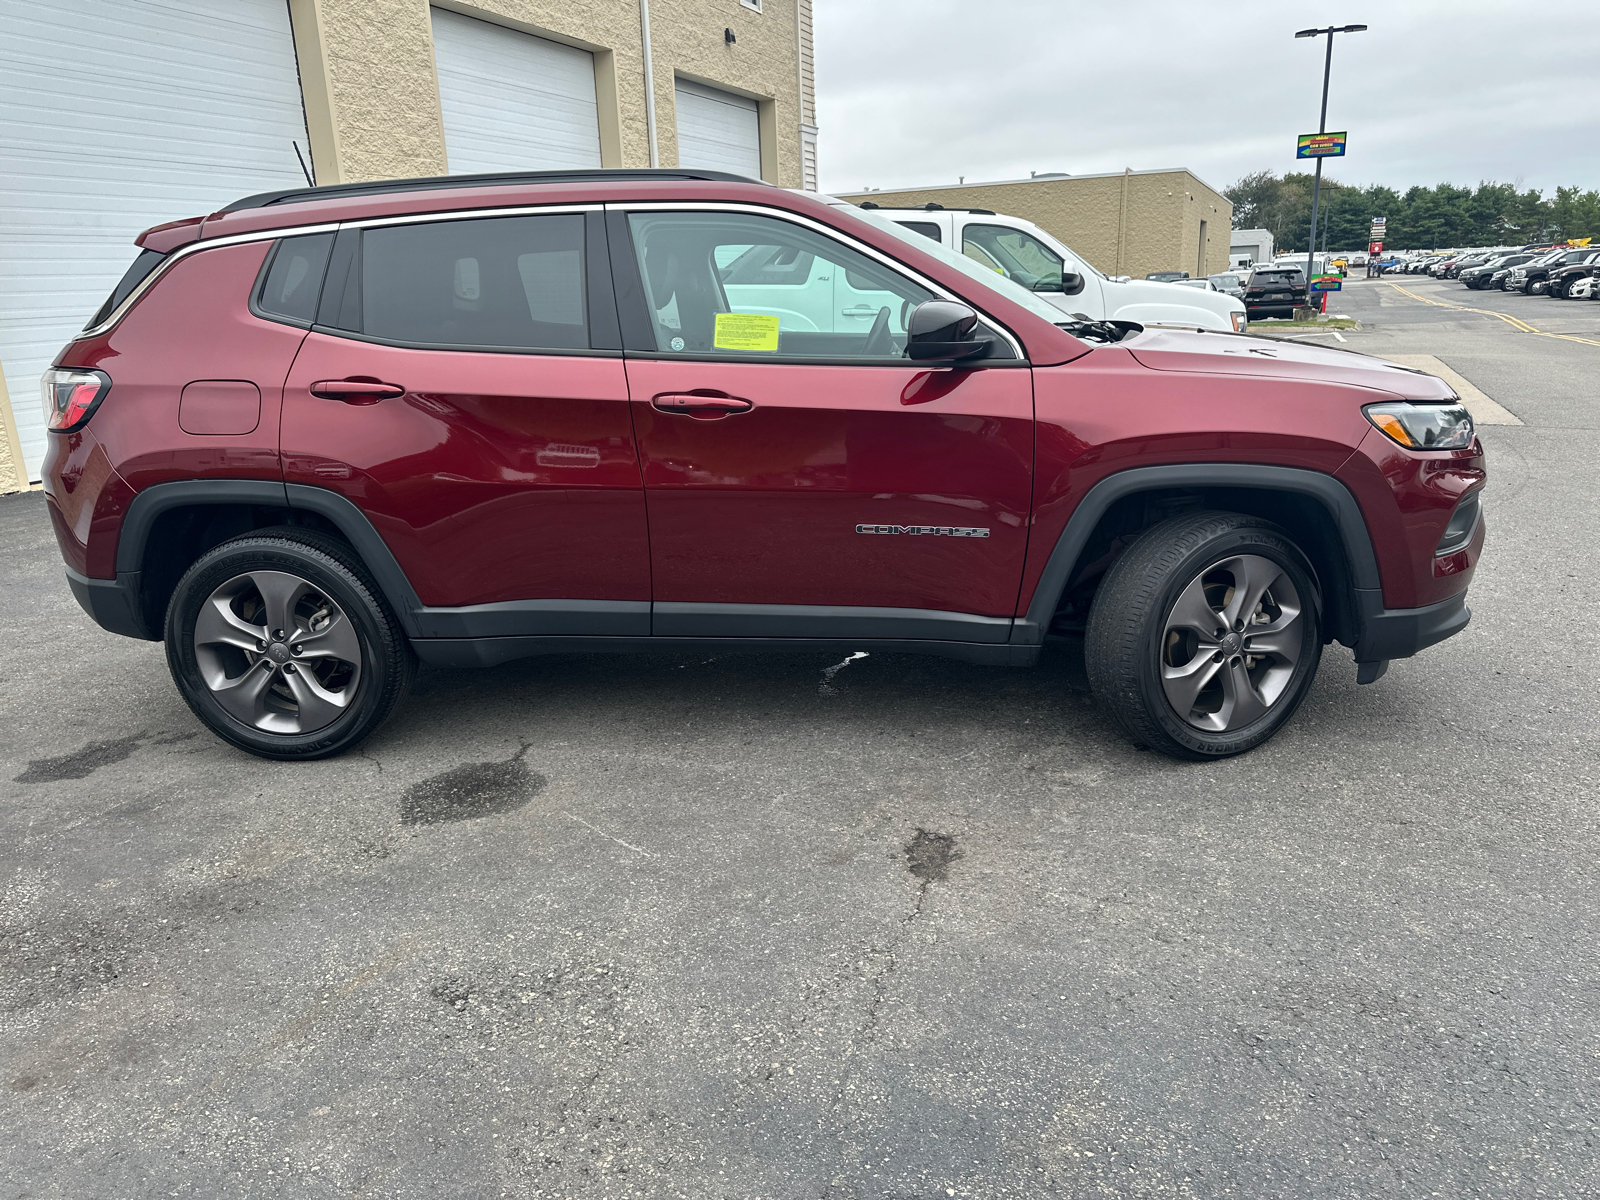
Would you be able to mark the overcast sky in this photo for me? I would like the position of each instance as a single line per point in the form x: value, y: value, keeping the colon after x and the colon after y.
x: 915, y: 92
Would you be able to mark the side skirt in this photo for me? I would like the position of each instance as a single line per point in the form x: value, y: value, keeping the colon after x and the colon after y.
x: 491, y: 651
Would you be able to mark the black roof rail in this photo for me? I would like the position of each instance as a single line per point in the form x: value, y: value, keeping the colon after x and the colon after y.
x: 932, y: 207
x: 378, y: 187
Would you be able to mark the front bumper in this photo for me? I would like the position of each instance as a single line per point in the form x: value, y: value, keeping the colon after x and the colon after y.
x: 1388, y: 633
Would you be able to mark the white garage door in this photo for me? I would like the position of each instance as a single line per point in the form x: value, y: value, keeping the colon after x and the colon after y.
x: 116, y: 115
x: 512, y: 101
x: 718, y: 130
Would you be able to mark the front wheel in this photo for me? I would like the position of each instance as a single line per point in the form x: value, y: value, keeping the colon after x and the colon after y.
x: 280, y: 644
x: 1205, y: 635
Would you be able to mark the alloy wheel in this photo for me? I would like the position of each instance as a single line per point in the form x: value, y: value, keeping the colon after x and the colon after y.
x: 1230, y: 643
x: 277, y: 652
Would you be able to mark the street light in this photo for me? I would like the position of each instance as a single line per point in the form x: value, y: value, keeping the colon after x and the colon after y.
x: 1322, y: 127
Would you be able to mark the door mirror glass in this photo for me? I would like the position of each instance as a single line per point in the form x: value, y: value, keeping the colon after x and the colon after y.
x: 944, y: 330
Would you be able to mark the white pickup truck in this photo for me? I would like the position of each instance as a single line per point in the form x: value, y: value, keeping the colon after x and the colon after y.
x: 1029, y: 256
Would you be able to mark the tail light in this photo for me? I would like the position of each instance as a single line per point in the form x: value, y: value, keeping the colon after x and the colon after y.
x: 71, y: 395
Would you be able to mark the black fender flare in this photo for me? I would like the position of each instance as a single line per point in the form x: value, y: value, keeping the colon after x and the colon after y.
x: 349, y: 520
x: 1341, y: 507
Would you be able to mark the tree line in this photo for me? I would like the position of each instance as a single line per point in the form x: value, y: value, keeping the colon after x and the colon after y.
x: 1492, y: 214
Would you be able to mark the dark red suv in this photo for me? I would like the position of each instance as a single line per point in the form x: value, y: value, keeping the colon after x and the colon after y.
x: 324, y: 434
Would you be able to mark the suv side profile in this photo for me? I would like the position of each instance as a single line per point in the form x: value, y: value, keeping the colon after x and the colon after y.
x: 323, y: 435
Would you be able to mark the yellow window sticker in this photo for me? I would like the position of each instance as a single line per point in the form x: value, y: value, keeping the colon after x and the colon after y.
x: 745, y: 331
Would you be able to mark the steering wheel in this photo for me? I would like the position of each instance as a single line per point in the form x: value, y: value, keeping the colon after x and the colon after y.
x: 879, y: 343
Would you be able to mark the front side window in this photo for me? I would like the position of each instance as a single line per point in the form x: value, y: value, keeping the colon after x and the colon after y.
x: 499, y: 283
x: 1019, y: 256
x: 740, y: 284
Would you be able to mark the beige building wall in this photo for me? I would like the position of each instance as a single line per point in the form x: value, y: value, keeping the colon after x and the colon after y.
x: 1131, y: 223
x: 13, y: 475
x: 372, y: 98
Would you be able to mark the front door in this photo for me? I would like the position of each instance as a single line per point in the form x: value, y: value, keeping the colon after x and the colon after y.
x: 802, y: 477
x: 458, y: 391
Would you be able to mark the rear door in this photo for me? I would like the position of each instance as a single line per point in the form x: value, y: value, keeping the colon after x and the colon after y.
x: 803, y: 478
x: 464, y: 387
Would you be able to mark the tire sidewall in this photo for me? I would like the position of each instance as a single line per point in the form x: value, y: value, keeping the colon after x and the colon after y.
x: 1250, y: 540
x: 233, y: 559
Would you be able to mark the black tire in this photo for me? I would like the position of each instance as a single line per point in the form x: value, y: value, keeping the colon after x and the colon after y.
x: 329, y: 571
x: 1128, y: 634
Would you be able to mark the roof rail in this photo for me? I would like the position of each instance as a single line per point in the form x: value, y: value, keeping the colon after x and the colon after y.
x: 378, y: 187
x: 931, y: 207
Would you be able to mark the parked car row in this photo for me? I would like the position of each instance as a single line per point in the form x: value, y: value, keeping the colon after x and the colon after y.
x: 1533, y: 270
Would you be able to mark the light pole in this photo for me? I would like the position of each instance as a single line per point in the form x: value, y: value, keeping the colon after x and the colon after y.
x: 1322, y: 127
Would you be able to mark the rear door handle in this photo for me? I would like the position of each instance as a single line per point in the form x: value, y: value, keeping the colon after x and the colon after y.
x: 704, y: 407
x: 356, y: 391
x: 860, y: 310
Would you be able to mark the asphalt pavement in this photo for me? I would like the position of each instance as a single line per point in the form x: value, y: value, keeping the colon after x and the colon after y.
x: 771, y: 926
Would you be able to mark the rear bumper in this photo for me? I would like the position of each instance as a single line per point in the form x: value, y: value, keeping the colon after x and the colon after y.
x: 113, y: 603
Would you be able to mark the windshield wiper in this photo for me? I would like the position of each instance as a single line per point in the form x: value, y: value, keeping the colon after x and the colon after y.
x: 1101, y: 331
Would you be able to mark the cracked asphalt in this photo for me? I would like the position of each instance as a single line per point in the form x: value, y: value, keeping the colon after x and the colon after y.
x: 766, y: 926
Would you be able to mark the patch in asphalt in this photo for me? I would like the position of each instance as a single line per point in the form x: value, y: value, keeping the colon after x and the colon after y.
x: 80, y: 764
x: 468, y: 792
x: 929, y: 855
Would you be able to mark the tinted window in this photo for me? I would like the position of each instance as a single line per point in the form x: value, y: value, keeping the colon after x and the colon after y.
x: 512, y: 283
x: 294, y: 278
x: 926, y: 228
x: 724, y: 283
x: 131, y: 278
x: 1018, y: 256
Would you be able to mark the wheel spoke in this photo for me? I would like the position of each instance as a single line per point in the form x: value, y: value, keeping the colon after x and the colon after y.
x: 1252, y: 576
x: 318, y: 706
x: 1183, y: 684
x: 1241, y: 703
x: 218, y: 624
x: 1282, y: 643
x: 243, y: 696
x: 337, y: 640
x: 279, y: 593
x: 1192, y: 611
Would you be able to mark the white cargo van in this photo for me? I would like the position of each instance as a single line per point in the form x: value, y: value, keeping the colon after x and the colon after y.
x: 1029, y: 256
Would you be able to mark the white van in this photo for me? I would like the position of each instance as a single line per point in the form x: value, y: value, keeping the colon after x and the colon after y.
x: 1028, y: 255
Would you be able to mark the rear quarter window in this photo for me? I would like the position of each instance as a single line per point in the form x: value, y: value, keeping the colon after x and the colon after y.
x: 292, y: 281
x: 137, y: 273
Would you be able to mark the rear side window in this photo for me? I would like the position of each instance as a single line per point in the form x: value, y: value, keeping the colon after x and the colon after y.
x: 925, y: 228
x: 131, y: 278
x: 293, y: 279
x: 503, y: 283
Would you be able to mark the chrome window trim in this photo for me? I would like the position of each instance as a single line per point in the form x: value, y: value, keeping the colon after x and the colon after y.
x: 836, y: 234
x: 287, y: 231
x: 183, y: 252
x: 473, y: 214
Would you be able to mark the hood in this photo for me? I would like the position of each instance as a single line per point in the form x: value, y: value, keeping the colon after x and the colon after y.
x: 1242, y: 354
x: 1149, y: 291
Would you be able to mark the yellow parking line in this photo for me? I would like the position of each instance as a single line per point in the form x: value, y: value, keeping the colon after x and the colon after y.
x: 1515, y: 322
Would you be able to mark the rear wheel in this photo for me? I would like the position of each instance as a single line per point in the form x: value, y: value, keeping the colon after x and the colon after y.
x: 1205, y: 635
x: 281, y: 645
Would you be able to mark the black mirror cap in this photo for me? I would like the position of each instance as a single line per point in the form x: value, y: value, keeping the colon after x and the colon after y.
x: 948, y: 351
x: 940, y: 321
x: 1071, y: 283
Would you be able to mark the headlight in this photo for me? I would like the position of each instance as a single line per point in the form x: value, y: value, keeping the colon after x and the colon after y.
x: 1240, y: 321
x: 1423, y: 426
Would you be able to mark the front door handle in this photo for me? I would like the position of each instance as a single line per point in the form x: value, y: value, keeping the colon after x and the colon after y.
x: 704, y: 407
x: 356, y: 391
x: 860, y: 310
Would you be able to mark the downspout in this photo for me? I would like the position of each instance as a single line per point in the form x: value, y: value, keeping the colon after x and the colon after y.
x: 649, y: 82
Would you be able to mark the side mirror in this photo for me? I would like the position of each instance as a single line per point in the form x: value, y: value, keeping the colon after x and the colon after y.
x: 943, y: 330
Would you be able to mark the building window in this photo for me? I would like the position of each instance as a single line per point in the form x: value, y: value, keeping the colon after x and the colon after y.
x: 752, y: 5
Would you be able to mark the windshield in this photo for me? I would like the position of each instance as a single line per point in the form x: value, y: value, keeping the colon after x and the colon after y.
x: 990, y: 278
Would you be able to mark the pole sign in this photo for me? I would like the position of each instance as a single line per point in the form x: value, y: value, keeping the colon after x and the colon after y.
x: 1325, y: 283
x: 1320, y: 145
x: 1374, y: 247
